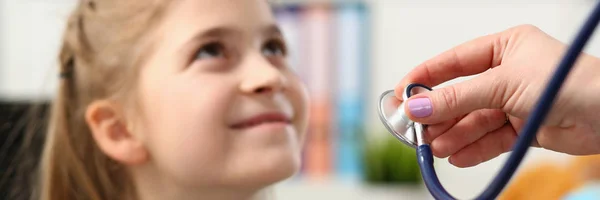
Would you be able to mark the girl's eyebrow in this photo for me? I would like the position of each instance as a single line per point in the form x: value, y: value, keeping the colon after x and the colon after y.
x: 221, y: 31
x: 215, y: 32
x: 272, y: 29
x: 227, y: 31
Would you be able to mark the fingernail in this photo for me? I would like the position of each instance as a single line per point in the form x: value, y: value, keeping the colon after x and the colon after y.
x: 420, y: 107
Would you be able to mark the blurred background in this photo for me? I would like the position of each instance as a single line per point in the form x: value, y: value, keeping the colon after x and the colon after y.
x: 348, y: 53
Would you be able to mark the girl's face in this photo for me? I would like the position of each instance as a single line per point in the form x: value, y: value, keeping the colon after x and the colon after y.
x: 220, y: 105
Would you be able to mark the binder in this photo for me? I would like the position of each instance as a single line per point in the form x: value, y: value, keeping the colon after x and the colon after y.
x: 352, y: 72
x: 317, y: 58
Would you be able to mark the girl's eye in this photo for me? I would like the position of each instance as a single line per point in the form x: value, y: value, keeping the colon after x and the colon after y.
x: 211, y: 51
x: 274, y: 48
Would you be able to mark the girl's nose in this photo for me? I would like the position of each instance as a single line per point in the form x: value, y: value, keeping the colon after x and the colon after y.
x: 260, y: 76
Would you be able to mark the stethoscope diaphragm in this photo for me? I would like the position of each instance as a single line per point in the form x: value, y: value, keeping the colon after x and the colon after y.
x: 394, y: 118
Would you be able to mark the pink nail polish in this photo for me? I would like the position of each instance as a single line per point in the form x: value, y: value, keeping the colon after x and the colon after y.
x: 420, y: 107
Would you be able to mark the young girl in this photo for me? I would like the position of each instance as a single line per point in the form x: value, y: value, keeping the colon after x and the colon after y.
x: 158, y: 99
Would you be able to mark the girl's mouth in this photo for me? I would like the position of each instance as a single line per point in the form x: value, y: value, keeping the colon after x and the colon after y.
x: 268, y: 118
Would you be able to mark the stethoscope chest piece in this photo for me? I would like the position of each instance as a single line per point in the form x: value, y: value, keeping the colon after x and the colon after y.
x: 393, y: 117
x: 391, y: 113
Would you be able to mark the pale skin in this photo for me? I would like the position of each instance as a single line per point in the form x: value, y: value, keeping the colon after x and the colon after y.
x: 221, y: 115
x: 467, y: 122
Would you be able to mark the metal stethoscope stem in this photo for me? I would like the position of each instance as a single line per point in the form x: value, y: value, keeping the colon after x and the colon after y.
x: 391, y: 113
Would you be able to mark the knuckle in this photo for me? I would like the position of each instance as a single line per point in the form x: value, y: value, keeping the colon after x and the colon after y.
x: 489, y: 118
x: 496, y: 117
x: 448, y: 96
x: 496, y: 91
x: 522, y: 30
x: 440, y: 150
x: 482, y: 118
x: 499, y: 115
x: 526, y: 28
x: 426, y: 67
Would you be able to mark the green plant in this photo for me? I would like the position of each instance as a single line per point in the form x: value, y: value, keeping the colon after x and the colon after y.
x: 390, y: 162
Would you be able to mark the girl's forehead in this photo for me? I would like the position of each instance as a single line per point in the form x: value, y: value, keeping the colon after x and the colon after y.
x: 220, y: 10
x: 188, y: 18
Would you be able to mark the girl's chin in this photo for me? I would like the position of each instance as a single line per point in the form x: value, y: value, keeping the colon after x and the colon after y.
x: 269, y: 168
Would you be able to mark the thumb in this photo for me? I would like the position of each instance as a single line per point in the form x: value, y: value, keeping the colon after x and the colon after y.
x: 456, y: 100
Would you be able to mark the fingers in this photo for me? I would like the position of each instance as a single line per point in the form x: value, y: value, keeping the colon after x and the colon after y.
x: 468, y: 130
x: 490, y: 146
x: 485, y: 91
x: 472, y: 57
x: 435, y: 130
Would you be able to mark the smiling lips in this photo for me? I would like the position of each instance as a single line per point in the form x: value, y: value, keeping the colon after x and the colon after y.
x: 262, y: 119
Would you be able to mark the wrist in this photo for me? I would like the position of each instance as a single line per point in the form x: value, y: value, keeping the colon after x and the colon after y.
x: 582, y: 89
x: 593, y: 99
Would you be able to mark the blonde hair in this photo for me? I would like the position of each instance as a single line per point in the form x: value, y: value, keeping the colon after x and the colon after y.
x: 103, y: 46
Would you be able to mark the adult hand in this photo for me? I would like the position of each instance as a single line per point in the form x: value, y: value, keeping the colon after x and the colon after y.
x: 468, y: 120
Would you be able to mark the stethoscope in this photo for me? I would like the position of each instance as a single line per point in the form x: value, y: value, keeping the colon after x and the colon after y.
x: 391, y: 113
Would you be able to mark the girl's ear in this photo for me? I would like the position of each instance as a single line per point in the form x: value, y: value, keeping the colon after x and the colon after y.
x: 110, y: 131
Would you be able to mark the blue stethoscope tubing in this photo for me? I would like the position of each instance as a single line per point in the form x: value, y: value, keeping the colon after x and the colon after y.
x: 424, y: 154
